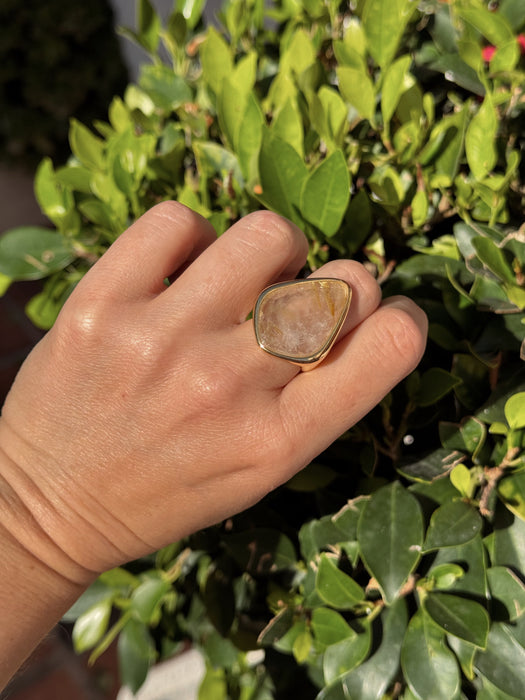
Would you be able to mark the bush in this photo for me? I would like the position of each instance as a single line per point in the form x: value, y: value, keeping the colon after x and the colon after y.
x: 394, y: 565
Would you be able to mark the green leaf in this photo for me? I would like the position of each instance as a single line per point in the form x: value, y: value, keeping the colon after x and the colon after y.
x: 277, y: 628
x: 216, y: 59
x: 51, y: 198
x: 329, y: 627
x: 335, y: 587
x: 419, y: 207
x: 87, y: 147
x: 358, y: 90
x: 326, y: 193
x: 5, y: 283
x: 506, y: 590
x: 435, y: 384
x: 370, y: 680
x: 515, y: 410
x: 511, y: 490
x: 32, y: 253
x: 342, y: 657
x: 472, y: 558
x: 480, y: 139
x: 191, y: 10
x: 444, y: 147
x: 282, y: 173
x: 384, y: 22
x: 492, y: 25
x: 445, y: 575
x: 147, y: 597
x: 299, y: 54
x: 167, y: 89
x: 429, y: 667
x: 452, y: 524
x: 91, y: 626
x: 214, y: 685
x: 336, y: 114
x: 393, y: 86
x: 148, y: 26
x: 503, y: 661
x: 493, y: 258
x: 459, y: 616
x: 390, y: 536
x: 43, y: 309
x: 430, y: 467
x: 136, y: 653
x: 288, y: 125
x: 461, y: 478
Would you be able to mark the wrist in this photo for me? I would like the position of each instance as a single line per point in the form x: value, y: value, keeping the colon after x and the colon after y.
x: 28, y: 522
x: 34, y: 595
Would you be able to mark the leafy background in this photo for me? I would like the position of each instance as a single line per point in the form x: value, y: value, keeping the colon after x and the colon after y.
x: 390, y: 131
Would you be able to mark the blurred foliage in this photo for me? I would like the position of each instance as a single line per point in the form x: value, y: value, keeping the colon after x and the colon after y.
x: 57, y: 58
x: 390, y: 131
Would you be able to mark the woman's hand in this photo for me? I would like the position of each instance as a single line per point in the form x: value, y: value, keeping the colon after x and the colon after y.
x: 149, y: 411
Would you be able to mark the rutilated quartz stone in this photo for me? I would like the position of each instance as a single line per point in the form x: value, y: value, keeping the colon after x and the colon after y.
x: 299, y: 320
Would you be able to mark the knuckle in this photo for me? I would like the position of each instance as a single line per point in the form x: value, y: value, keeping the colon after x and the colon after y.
x: 81, y: 322
x: 404, y: 334
x: 276, y: 231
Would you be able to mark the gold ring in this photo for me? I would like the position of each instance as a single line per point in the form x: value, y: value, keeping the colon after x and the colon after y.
x: 299, y: 320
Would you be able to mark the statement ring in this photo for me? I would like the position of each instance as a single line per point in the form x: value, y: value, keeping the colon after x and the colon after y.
x: 299, y: 320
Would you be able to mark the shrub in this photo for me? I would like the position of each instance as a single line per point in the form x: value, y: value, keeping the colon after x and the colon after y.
x: 394, y: 565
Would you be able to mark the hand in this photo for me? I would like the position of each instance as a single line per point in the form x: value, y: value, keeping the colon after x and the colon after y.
x: 149, y: 411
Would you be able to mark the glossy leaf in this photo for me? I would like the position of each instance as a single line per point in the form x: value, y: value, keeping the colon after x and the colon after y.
x: 515, y: 410
x: 358, y: 90
x: 88, y: 148
x: 165, y: 88
x: 148, y: 25
x: 393, y: 85
x: 343, y: 656
x: 511, y: 490
x: 506, y: 590
x: 503, y: 661
x: 384, y: 22
x: 135, y: 654
x: 33, y: 252
x: 445, y: 576
x: 147, y: 597
x: 453, y: 524
x: 217, y: 62
x: 91, y: 626
x: 493, y: 258
x: 370, y: 680
x: 326, y: 193
x: 435, y: 384
x: 480, y: 140
x: 459, y: 616
x: 335, y: 587
x: 429, y: 667
x: 330, y: 627
x: 282, y: 173
x: 390, y: 536
x: 472, y: 559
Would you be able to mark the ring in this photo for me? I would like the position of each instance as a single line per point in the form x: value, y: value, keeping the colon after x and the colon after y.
x: 299, y: 320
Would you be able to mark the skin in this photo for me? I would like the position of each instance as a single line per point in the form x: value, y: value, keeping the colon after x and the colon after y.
x: 149, y: 412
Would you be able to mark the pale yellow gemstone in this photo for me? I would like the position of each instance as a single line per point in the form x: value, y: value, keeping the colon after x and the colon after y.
x: 299, y: 320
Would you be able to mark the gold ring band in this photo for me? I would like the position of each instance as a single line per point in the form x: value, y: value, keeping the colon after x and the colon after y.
x: 299, y: 320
